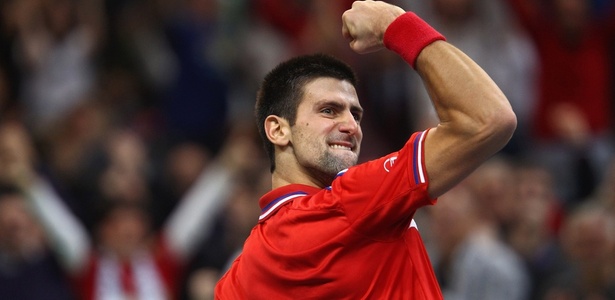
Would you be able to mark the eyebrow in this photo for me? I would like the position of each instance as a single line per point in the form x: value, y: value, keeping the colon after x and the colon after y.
x: 339, y: 105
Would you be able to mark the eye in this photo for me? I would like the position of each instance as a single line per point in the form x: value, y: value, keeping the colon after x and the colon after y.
x: 357, y: 116
x: 327, y: 111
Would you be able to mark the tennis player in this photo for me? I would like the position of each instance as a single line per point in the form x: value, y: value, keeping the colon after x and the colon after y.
x: 332, y: 229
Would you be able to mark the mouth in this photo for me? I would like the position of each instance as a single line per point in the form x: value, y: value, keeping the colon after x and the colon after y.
x: 341, y: 146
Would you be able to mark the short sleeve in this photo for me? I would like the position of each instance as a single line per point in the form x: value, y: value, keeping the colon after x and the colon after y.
x: 381, y: 196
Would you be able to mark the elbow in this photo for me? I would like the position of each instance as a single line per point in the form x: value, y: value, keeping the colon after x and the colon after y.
x: 507, y: 123
x: 501, y: 127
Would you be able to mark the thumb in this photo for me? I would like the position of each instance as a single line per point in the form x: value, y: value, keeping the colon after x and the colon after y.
x: 346, y: 32
x: 358, y: 46
x: 362, y: 46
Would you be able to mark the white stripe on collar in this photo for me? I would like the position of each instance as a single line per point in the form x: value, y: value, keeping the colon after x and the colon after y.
x: 280, y: 202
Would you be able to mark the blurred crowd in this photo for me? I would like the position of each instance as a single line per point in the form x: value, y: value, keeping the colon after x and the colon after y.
x: 130, y: 166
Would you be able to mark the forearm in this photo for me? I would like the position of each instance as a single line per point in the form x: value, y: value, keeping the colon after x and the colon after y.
x: 193, y: 220
x: 67, y: 236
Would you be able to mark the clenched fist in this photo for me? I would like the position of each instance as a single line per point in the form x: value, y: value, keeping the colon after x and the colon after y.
x: 365, y: 23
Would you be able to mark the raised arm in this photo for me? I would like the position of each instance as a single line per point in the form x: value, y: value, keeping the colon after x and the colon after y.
x: 476, y: 119
x: 193, y: 221
x: 67, y: 237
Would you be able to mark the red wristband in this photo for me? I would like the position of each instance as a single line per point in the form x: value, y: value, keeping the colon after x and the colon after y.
x: 408, y: 35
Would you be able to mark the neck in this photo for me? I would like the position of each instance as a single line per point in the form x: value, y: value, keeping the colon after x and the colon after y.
x: 282, y: 178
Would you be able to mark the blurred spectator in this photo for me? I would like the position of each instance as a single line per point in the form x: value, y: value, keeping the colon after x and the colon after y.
x: 234, y: 225
x: 29, y: 270
x: 573, y: 112
x: 57, y: 41
x: 239, y: 215
x: 472, y: 262
x: 306, y: 24
x: 125, y: 258
x: 69, y: 151
x: 179, y: 169
x: 588, y: 241
x: 494, y: 190
x: 605, y: 193
x: 534, y: 231
x: 196, y: 106
x: 485, y: 30
x: 125, y: 174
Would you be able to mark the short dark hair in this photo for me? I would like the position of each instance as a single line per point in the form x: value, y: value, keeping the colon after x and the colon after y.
x: 282, y: 89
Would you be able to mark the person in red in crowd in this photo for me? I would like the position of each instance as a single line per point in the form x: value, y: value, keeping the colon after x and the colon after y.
x: 124, y: 258
x: 332, y: 229
x: 574, y: 90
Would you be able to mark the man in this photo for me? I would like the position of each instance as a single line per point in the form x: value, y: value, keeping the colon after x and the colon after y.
x: 331, y: 230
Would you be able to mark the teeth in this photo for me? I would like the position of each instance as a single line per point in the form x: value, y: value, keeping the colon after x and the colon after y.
x: 340, y: 147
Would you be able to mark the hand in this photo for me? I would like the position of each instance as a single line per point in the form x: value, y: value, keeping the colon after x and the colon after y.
x: 365, y: 23
x: 16, y: 155
x: 570, y: 124
x: 241, y: 151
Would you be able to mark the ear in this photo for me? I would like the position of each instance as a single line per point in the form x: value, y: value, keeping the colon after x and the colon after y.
x: 277, y: 130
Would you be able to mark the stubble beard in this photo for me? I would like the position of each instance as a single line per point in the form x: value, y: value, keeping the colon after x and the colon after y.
x: 329, y: 165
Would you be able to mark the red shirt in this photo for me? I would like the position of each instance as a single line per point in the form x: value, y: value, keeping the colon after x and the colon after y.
x: 105, y: 277
x: 353, y: 240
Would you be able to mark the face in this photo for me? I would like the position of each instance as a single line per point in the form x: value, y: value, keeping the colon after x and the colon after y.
x: 573, y: 14
x: 124, y: 231
x: 19, y: 232
x: 327, y: 135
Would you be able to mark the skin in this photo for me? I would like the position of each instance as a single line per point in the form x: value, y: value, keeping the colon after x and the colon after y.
x: 325, y: 138
x: 476, y: 119
x: 20, y: 234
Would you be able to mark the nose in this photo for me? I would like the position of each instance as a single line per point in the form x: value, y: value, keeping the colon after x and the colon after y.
x: 349, y: 124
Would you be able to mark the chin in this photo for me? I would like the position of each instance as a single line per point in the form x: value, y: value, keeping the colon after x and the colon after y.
x: 332, y: 163
x: 340, y: 165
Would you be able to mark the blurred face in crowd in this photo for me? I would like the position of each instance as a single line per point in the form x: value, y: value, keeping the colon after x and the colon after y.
x: 184, y: 164
x: 327, y: 134
x: 572, y: 14
x: 124, y: 230
x: 457, y: 207
x: 60, y: 15
x: 20, y: 234
x: 15, y: 152
x: 589, y: 237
